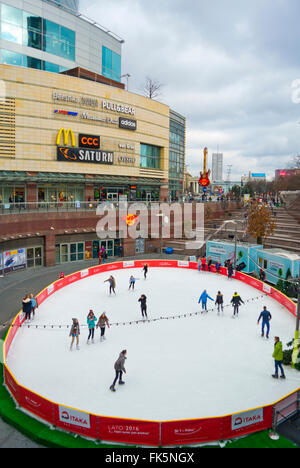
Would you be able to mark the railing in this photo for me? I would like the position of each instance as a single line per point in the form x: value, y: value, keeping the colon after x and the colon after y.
x: 63, y: 206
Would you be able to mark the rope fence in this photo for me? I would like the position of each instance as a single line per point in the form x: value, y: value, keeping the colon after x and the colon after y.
x: 135, y: 322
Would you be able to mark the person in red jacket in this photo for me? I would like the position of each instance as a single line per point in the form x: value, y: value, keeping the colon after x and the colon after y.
x: 203, y: 263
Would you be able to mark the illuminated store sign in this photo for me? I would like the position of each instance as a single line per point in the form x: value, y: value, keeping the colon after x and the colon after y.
x: 127, y: 124
x: 89, y: 141
x: 85, y: 156
x: 90, y: 154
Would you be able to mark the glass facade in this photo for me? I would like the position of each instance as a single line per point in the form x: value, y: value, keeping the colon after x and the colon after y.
x: 60, y: 193
x: 177, y: 157
x: 150, y: 157
x: 13, y: 58
x: 26, y: 29
x: 111, y: 64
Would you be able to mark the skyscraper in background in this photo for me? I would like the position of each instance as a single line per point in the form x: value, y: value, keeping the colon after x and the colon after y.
x: 70, y: 5
x: 217, y: 167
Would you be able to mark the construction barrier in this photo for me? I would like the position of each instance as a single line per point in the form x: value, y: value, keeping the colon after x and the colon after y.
x: 147, y: 433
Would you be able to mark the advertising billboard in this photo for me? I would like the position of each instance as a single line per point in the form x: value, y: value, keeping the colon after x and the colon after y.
x: 14, y: 260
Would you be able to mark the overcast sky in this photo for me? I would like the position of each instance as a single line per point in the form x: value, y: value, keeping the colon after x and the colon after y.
x: 228, y: 66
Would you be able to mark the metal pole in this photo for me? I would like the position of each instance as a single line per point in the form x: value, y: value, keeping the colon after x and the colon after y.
x: 235, y: 246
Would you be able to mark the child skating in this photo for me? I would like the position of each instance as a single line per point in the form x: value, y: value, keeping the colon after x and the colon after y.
x: 91, y: 321
x: 75, y: 333
x: 132, y: 281
x: 203, y: 299
x: 102, y: 323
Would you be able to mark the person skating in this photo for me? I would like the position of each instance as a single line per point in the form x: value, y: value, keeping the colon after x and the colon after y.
x: 236, y: 301
x: 145, y: 270
x: 75, y: 333
x: 91, y: 321
x: 266, y: 317
x: 278, y: 357
x: 119, y: 369
x: 203, y: 299
x: 102, y: 322
x: 219, y: 302
x: 143, y: 301
x: 132, y: 281
x: 112, y: 284
x: 27, y: 307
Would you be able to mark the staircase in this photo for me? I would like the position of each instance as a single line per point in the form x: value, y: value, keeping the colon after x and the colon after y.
x: 287, y: 231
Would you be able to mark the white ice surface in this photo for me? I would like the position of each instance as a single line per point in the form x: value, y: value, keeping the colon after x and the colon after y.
x: 188, y: 368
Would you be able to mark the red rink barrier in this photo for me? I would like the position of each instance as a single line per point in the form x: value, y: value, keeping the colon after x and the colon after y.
x: 129, y: 431
x: 151, y: 433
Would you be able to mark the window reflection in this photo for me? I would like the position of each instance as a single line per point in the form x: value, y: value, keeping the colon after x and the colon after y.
x: 33, y: 31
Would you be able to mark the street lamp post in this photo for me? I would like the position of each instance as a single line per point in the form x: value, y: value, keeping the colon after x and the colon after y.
x: 235, y: 241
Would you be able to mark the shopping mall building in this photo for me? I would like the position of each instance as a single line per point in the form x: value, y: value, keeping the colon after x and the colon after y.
x: 70, y: 133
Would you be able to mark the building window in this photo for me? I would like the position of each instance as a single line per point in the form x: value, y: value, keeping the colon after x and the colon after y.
x: 150, y: 157
x: 111, y: 64
x: 33, y: 31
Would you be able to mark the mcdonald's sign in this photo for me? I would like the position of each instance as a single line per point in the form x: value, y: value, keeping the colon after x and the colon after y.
x: 66, y: 133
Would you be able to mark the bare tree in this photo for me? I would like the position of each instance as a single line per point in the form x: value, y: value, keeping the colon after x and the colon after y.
x: 152, y: 88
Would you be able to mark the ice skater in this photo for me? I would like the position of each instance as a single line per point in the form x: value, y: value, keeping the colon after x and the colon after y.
x: 236, y: 301
x: 278, y: 357
x: 112, y: 284
x: 266, y: 317
x: 219, y: 302
x: 75, y: 333
x: 119, y: 368
x: 26, y: 303
x: 143, y: 301
x: 103, y: 321
x: 91, y: 321
x: 145, y: 270
x: 203, y: 299
x: 132, y: 281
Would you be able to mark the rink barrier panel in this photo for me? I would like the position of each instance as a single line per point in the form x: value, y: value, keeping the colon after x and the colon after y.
x: 150, y: 433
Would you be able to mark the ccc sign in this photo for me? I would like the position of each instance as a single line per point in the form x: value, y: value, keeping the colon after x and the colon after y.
x: 89, y: 141
x: 68, y: 135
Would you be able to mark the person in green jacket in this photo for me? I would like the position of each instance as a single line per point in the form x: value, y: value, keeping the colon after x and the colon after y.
x: 278, y: 356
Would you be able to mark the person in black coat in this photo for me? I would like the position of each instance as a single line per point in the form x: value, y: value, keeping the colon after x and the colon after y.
x: 145, y: 269
x: 219, y: 301
x: 27, y: 307
x: 230, y: 270
x: 236, y: 301
x: 143, y: 301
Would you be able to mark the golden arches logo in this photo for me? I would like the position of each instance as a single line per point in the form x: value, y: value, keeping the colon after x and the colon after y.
x: 67, y: 133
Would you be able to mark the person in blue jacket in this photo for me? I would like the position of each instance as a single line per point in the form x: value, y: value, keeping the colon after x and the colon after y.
x: 91, y: 321
x: 203, y: 299
x: 266, y: 317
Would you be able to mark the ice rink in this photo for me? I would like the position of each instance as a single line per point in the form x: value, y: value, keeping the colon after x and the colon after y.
x: 193, y: 367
